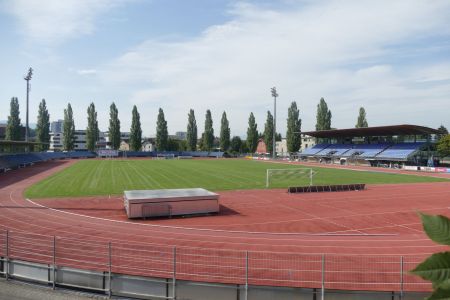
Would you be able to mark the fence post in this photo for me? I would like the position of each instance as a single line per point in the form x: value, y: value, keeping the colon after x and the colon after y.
x: 246, y: 275
x: 54, y: 262
x: 322, y: 292
x: 401, y: 276
x: 7, y: 255
x: 174, y: 278
x: 110, y: 269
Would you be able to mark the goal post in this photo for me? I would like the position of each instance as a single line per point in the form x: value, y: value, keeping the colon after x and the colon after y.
x: 165, y: 156
x: 291, y: 176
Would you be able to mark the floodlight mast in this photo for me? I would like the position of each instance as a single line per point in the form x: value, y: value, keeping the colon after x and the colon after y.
x: 28, y: 78
x: 274, y: 95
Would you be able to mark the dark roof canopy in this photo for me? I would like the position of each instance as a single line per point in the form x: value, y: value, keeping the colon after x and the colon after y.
x: 372, y: 131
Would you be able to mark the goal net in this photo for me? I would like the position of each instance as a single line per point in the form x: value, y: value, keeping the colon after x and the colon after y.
x: 289, y: 177
x: 165, y: 156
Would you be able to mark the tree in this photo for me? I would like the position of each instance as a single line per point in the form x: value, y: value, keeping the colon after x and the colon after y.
x: 135, y: 131
x: 278, y: 137
x: 268, y: 133
x: 175, y: 145
x: 43, y: 126
x: 13, y: 129
x: 68, y: 129
x: 362, y: 121
x: 114, y: 127
x: 243, y: 148
x: 92, y: 131
x: 162, y: 135
x: 442, y: 132
x: 236, y: 144
x: 224, y: 133
x: 294, y: 124
x: 252, y: 134
x: 436, y: 267
x: 323, y: 116
x: 443, y: 146
x: 208, y: 136
x: 191, y: 135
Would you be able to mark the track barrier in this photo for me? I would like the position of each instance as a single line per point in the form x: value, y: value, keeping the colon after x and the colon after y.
x: 327, y: 188
x: 165, y: 272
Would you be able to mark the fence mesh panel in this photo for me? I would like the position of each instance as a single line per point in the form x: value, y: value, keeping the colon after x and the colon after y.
x: 211, y: 265
x: 411, y: 282
x: 30, y: 247
x: 284, y: 269
x: 353, y: 272
x: 142, y: 260
x: 82, y: 254
x: 336, y: 272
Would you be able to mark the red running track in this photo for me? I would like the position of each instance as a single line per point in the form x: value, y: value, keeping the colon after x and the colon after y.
x: 363, y: 235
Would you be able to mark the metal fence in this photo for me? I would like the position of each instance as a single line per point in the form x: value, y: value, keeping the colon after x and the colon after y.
x: 110, y: 260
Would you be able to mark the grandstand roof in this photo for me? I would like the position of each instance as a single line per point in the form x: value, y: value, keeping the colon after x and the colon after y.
x: 373, y: 131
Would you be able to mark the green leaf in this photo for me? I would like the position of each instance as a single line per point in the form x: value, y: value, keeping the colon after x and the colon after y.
x: 444, y: 285
x: 437, y: 228
x: 436, y: 268
x: 440, y: 294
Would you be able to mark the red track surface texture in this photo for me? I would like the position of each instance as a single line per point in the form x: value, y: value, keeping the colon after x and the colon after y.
x: 362, y: 236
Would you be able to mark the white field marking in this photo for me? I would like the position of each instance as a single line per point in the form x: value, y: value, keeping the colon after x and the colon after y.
x: 423, y: 174
x: 207, y: 229
x: 296, y: 246
x: 237, y: 243
x: 212, y: 242
x: 311, y: 219
x: 321, y: 219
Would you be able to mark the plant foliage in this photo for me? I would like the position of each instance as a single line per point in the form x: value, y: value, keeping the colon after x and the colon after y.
x: 436, y: 268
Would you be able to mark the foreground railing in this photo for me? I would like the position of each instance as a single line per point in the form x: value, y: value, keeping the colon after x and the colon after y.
x: 105, y: 266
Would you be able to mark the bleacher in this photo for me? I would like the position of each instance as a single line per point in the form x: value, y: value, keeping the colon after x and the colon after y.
x: 400, y: 151
x: 314, y: 150
x: 334, y: 150
x: 380, y: 151
x: 365, y: 150
x: 20, y: 160
x: 372, y: 145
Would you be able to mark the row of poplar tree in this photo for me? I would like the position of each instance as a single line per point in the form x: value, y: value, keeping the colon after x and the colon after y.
x: 163, y: 142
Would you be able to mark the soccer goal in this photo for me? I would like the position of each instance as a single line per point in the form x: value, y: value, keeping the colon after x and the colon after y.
x: 165, y: 156
x: 289, y: 177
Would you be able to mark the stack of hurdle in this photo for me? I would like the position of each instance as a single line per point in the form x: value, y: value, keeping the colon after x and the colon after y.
x: 327, y: 188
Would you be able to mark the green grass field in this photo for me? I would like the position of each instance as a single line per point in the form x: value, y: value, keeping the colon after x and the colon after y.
x: 109, y: 177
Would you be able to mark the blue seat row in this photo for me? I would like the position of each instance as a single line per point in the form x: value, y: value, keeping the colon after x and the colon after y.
x: 14, y: 161
x: 382, y: 150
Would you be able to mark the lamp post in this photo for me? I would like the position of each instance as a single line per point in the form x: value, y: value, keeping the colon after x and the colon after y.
x: 28, y: 78
x: 274, y: 95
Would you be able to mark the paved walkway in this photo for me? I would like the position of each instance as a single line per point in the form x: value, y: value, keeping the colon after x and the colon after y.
x: 13, y: 290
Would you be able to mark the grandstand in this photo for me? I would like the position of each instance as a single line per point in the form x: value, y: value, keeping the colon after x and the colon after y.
x: 11, y: 161
x: 383, y: 145
x: 21, y: 160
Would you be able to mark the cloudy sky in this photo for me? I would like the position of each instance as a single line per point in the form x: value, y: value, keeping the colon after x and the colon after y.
x: 392, y: 57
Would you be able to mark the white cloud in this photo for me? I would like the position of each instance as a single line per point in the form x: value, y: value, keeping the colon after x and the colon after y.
x: 54, y: 21
x: 340, y: 50
x: 87, y: 72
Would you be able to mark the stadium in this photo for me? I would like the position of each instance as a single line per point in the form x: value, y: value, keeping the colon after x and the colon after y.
x: 64, y: 225
x: 225, y: 150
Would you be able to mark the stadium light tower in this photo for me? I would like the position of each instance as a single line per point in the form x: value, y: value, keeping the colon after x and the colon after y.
x: 274, y: 95
x: 28, y: 78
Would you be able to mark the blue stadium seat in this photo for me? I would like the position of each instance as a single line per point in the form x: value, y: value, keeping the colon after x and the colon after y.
x: 365, y: 150
x: 314, y: 150
x: 334, y: 150
x: 400, y: 151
